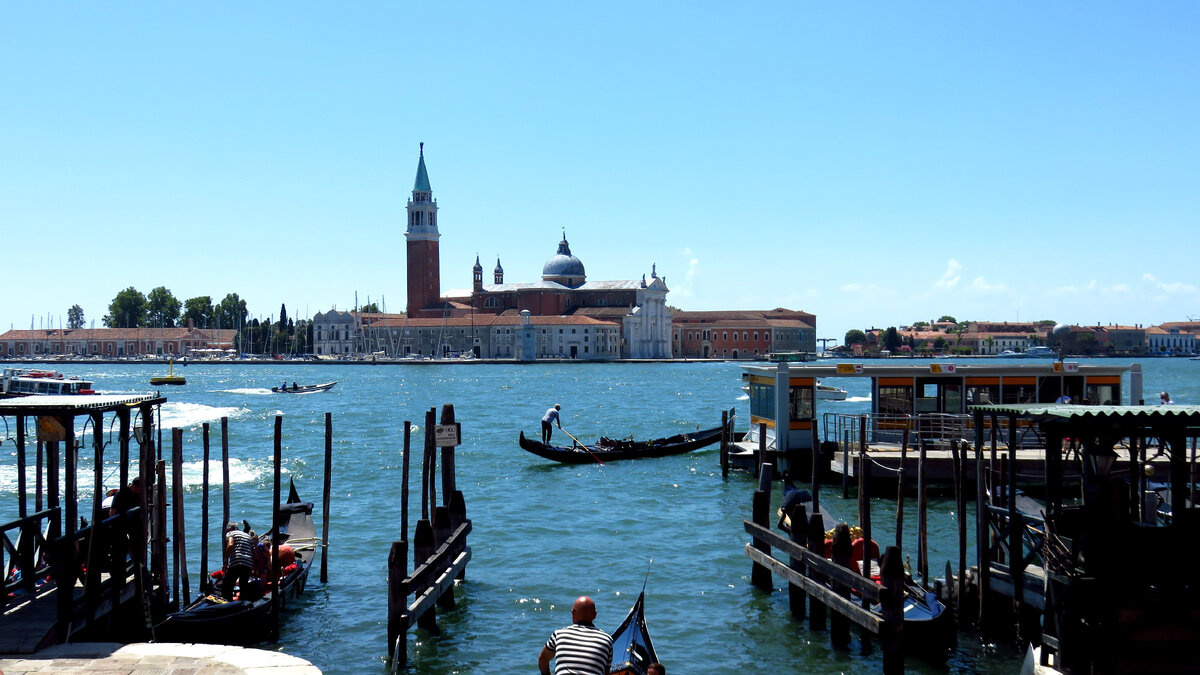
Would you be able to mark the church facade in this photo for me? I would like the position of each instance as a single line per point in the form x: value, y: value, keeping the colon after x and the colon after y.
x: 562, y: 314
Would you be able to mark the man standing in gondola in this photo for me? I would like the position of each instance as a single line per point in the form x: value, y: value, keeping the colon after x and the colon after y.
x: 548, y: 420
x: 580, y: 648
x: 239, y: 560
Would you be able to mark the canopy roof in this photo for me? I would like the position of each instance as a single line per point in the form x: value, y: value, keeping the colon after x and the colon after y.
x: 1047, y: 412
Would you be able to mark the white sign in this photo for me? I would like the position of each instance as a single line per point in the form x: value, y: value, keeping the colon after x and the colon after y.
x: 445, y: 435
x: 942, y: 368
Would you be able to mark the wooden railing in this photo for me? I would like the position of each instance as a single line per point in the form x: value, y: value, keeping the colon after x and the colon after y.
x: 28, y: 559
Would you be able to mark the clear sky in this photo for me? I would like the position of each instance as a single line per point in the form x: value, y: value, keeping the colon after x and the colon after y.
x: 875, y: 164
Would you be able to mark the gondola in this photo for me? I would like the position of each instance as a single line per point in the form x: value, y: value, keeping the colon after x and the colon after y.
x: 303, y: 388
x: 632, y: 648
x: 609, y: 449
x: 212, y: 619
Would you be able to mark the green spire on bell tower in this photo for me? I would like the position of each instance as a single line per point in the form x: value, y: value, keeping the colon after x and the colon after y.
x: 422, y: 182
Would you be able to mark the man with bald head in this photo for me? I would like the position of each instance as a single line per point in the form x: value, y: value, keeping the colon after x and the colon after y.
x: 578, y: 649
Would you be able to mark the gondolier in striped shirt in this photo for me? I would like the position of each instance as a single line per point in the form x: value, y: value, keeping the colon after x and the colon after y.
x: 578, y: 649
x: 239, y: 560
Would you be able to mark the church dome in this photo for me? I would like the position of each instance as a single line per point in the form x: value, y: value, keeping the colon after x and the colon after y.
x: 564, y: 267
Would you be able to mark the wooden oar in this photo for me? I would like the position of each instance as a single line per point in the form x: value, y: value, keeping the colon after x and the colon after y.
x: 581, y: 445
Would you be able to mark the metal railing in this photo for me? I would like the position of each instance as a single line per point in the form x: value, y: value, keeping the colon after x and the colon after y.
x: 931, y: 429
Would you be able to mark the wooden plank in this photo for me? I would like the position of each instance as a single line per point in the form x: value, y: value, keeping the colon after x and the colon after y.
x: 818, y: 563
x: 444, y: 582
x: 846, y: 607
x: 454, y: 545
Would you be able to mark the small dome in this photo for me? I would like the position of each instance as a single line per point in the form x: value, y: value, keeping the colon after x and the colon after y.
x: 563, y: 264
x: 477, y: 267
x: 498, y: 269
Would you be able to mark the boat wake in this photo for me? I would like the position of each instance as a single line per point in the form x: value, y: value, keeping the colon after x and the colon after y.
x: 254, y: 391
x: 240, y: 471
x: 857, y: 399
x: 178, y: 414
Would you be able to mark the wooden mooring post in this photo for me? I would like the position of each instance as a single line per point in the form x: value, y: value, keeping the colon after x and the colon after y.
x: 439, y: 544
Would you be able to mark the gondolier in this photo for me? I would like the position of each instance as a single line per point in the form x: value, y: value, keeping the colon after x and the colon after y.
x: 550, y: 418
x: 239, y: 560
x: 580, y: 647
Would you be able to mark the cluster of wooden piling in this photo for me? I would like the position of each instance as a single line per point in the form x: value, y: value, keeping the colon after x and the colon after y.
x: 829, y: 585
x: 439, y: 544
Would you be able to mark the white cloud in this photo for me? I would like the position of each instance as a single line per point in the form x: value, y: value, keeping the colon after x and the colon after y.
x: 981, y: 285
x: 951, y: 276
x: 687, y: 288
x: 1173, y: 287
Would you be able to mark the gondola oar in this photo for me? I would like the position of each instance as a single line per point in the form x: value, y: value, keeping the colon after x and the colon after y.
x: 585, y: 448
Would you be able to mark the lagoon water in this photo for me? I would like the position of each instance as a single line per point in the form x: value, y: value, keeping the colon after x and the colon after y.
x: 543, y: 533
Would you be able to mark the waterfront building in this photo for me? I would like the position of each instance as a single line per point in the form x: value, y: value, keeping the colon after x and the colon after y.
x: 518, y: 336
x: 1115, y: 339
x: 1170, y: 341
x: 743, y: 334
x: 113, y: 342
x: 336, y: 333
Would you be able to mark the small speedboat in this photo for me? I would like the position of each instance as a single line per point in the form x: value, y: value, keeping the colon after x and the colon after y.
x: 303, y: 388
x: 827, y: 392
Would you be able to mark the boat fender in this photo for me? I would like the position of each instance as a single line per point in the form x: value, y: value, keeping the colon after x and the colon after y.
x: 287, y: 555
x: 856, y: 551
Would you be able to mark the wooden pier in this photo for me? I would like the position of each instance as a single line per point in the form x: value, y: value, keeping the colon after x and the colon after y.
x: 439, y: 544
x: 63, y: 574
x: 125, y: 571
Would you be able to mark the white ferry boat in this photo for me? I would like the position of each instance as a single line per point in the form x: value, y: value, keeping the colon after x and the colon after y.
x: 18, y: 382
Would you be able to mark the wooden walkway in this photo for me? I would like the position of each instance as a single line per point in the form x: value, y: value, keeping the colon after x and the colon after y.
x: 28, y: 621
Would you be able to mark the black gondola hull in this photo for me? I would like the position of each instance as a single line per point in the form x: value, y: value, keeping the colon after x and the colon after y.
x: 662, y: 447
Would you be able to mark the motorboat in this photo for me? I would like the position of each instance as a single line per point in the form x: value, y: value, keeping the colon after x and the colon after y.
x: 827, y: 392
x: 303, y: 388
x: 18, y: 382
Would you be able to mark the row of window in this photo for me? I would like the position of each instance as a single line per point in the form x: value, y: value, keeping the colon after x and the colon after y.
x: 711, y: 335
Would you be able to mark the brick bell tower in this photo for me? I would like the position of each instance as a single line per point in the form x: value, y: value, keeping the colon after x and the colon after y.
x: 424, y: 284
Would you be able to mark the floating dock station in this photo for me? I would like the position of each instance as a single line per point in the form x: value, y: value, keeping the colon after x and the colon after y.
x: 913, y: 405
x: 1092, y: 573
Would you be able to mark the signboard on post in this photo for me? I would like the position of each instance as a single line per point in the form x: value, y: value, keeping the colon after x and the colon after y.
x: 1067, y: 367
x: 849, y: 368
x: 942, y: 368
x: 445, y: 435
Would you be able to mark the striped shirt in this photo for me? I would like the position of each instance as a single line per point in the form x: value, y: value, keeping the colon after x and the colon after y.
x: 581, y: 649
x: 241, y: 549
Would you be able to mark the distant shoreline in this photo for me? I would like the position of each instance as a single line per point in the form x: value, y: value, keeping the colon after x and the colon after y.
x: 442, y: 362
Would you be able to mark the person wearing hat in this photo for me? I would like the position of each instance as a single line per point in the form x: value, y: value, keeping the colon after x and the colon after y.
x: 549, y: 419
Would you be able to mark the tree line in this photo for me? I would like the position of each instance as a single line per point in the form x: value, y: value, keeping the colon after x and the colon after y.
x: 161, y: 309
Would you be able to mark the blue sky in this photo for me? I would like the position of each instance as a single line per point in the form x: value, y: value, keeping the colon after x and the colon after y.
x: 872, y: 164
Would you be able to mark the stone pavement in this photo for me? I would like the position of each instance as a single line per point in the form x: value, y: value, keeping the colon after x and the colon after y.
x: 162, y: 658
